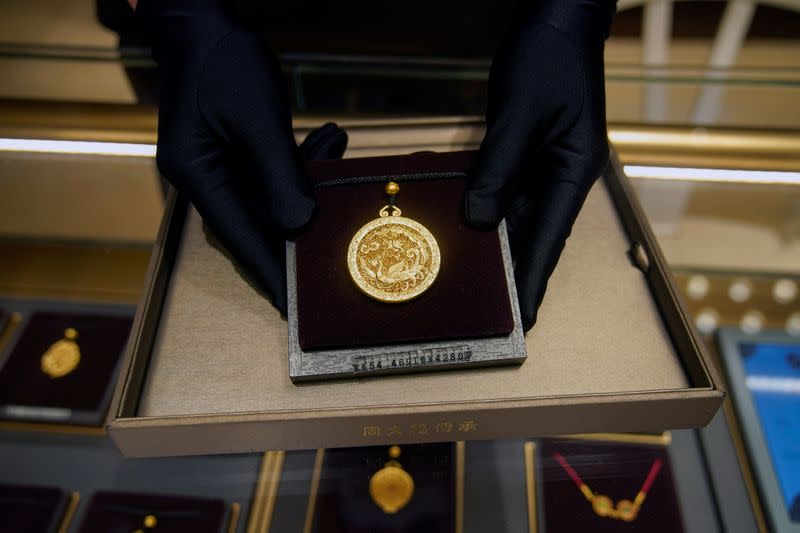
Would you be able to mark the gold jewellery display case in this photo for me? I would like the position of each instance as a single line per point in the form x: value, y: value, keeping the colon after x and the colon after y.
x: 483, y: 484
x: 620, y: 344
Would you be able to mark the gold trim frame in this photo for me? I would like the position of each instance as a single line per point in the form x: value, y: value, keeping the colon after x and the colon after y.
x: 14, y: 321
x: 46, y: 427
x: 233, y: 521
x: 460, y: 467
x: 313, y: 490
x: 69, y: 512
x: 529, y: 452
x: 662, y: 439
x: 266, y: 490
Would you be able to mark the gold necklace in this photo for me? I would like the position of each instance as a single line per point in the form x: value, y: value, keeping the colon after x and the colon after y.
x: 63, y: 356
x: 391, y: 487
x: 393, y: 258
x: 602, y: 505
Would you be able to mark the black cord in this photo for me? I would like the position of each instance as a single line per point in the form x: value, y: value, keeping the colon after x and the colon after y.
x: 419, y: 176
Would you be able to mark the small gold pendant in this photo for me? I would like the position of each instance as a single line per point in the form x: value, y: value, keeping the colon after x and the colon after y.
x: 150, y: 521
x: 391, y: 487
x: 63, y: 356
x: 393, y: 258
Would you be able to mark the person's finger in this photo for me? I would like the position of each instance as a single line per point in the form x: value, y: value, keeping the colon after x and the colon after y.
x: 326, y: 142
x: 541, y: 220
x: 243, y: 99
x: 531, y: 100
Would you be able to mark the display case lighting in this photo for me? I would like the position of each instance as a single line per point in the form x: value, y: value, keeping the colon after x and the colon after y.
x: 77, y: 147
x: 712, y: 175
x: 632, y: 171
x: 773, y: 384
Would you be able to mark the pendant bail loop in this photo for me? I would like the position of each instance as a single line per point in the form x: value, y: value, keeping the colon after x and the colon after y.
x: 389, y: 211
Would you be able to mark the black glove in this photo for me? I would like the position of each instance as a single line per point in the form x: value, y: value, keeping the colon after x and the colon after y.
x: 545, y: 142
x: 225, y: 135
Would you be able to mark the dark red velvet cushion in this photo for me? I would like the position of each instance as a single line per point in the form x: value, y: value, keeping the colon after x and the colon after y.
x: 344, y: 503
x: 124, y: 512
x: 29, y: 509
x: 101, y: 340
x: 469, y: 297
x: 615, y: 470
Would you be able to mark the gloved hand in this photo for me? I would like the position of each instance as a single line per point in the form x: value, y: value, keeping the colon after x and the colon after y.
x: 545, y: 142
x: 225, y: 135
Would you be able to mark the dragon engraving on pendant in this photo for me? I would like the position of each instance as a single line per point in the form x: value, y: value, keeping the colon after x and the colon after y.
x: 394, y: 259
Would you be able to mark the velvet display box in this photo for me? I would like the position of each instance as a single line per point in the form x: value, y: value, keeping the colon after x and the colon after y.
x: 83, y: 465
x: 61, y: 363
x: 207, y: 370
x: 333, y: 313
x: 681, y: 494
x: 498, y: 484
x: 617, y: 473
x: 469, y: 316
x: 342, y: 501
x: 30, y: 509
x: 124, y: 512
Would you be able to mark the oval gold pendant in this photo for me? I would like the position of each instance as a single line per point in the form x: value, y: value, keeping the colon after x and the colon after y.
x: 391, y: 487
x: 63, y: 356
x: 393, y: 258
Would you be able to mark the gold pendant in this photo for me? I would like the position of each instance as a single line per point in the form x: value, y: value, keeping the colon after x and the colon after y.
x: 393, y: 258
x: 625, y: 510
x: 391, y: 487
x: 63, y: 356
x: 150, y: 522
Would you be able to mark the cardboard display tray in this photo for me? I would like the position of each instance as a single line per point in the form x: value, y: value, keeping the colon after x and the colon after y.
x: 206, y: 370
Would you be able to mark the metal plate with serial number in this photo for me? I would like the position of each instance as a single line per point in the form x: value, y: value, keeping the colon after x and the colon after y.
x: 411, y: 359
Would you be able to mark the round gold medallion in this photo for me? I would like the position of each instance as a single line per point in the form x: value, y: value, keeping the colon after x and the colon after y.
x: 393, y: 258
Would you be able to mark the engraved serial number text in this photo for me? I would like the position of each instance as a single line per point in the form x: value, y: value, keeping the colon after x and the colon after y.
x: 411, y: 359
